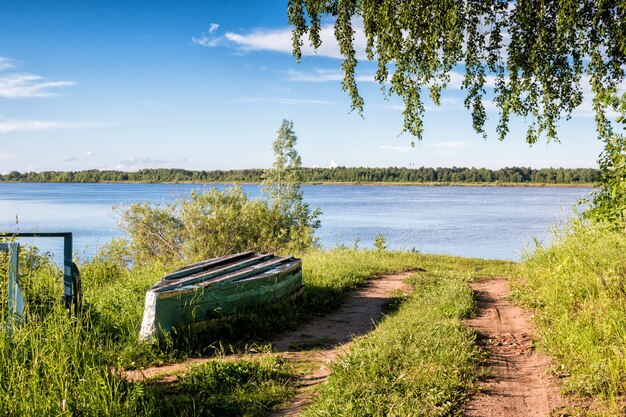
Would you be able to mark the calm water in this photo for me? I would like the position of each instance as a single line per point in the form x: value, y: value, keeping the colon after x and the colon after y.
x: 488, y: 222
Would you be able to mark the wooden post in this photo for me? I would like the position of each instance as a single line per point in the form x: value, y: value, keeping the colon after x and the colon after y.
x: 15, y: 297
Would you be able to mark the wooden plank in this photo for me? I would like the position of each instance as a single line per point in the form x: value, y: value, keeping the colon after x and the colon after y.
x: 254, y: 265
x: 206, y: 264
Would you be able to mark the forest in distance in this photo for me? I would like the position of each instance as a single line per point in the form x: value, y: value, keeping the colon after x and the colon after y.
x: 422, y: 175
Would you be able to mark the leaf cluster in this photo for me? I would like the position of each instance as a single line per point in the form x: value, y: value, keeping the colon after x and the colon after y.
x: 535, y: 55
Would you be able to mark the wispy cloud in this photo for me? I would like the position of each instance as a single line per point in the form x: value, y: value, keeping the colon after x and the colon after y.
x: 397, y: 148
x: 453, y: 144
x: 9, y: 126
x: 279, y: 40
x: 4, y: 156
x: 24, y: 85
x: 286, y: 101
x: 6, y: 63
x: 138, y: 162
x: 320, y: 75
x: 208, y: 39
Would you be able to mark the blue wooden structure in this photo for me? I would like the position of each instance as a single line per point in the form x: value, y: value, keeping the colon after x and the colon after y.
x: 71, y: 275
x: 15, y: 297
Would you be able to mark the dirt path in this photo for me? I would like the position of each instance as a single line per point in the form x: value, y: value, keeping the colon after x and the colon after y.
x: 331, y: 335
x: 315, y: 344
x: 517, y: 384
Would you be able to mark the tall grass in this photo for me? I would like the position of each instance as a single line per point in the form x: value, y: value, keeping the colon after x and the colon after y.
x: 59, y: 364
x: 56, y: 363
x: 577, y: 289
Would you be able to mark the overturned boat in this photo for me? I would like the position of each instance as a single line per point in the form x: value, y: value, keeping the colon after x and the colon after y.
x: 198, y: 294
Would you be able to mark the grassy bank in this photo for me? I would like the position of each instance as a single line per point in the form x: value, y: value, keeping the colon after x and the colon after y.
x: 577, y: 289
x: 421, y: 360
x: 57, y: 364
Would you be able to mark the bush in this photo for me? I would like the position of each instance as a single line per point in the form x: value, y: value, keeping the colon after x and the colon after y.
x: 214, y: 223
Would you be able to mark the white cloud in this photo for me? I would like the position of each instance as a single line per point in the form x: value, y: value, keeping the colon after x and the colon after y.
x: 333, y: 164
x: 23, y: 85
x: 320, y: 75
x: 89, y: 153
x: 454, y: 144
x: 138, y: 162
x: 279, y: 40
x: 456, y: 80
x: 208, y: 39
x: 205, y: 40
x: 4, y: 156
x: 397, y: 149
x: 8, y: 126
x: 286, y: 101
x: 6, y: 63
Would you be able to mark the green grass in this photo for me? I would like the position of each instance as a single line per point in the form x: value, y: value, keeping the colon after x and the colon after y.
x: 577, y: 289
x: 58, y: 364
x: 421, y: 360
x: 226, y: 389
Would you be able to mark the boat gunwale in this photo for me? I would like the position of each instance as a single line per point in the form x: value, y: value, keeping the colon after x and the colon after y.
x: 206, y: 264
x: 264, y: 263
x: 205, y: 275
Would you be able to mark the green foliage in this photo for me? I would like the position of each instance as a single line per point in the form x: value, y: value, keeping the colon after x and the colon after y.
x: 538, y: 74
x: 577, y: 288
x: 322, y: 175
x: 216, y: 223
x: 213, y: 223
x: 281, y: 184
x: 380, y: 242
x: 609, y: 201
x: 62, y: 364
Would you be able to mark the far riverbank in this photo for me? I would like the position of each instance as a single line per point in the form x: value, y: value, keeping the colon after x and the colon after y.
x: 332, y: 183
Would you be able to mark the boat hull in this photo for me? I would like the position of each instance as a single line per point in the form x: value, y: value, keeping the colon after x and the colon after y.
x: 195, y: 305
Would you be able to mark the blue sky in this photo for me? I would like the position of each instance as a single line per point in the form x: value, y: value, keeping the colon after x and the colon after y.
x: 205, y: 85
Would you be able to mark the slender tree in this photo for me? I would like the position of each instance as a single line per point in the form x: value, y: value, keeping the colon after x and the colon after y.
x: 282, y: 181
x: 281, y: 184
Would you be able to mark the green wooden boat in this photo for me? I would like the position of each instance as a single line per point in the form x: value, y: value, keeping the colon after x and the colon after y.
x: 201, y: 293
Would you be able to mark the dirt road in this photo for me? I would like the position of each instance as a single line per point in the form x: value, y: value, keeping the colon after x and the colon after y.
x: 517, y: 384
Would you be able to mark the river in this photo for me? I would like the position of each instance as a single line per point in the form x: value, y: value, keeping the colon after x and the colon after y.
x: 487, y: 222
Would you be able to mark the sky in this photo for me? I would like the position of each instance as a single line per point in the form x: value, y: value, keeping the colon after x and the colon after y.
x: 205, y: 85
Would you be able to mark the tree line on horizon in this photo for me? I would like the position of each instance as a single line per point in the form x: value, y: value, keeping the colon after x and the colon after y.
x: 320, y: 175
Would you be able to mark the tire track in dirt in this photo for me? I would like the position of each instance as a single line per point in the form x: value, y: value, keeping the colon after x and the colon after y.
x: 517, y: 383
x: 332, y: 334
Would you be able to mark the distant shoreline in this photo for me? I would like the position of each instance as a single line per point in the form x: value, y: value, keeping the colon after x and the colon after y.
x: 336, y: 183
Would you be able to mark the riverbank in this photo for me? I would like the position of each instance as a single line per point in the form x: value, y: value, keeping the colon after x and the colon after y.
x: 338, y: 175
x: 420, y: 356
x: 335, y: 183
